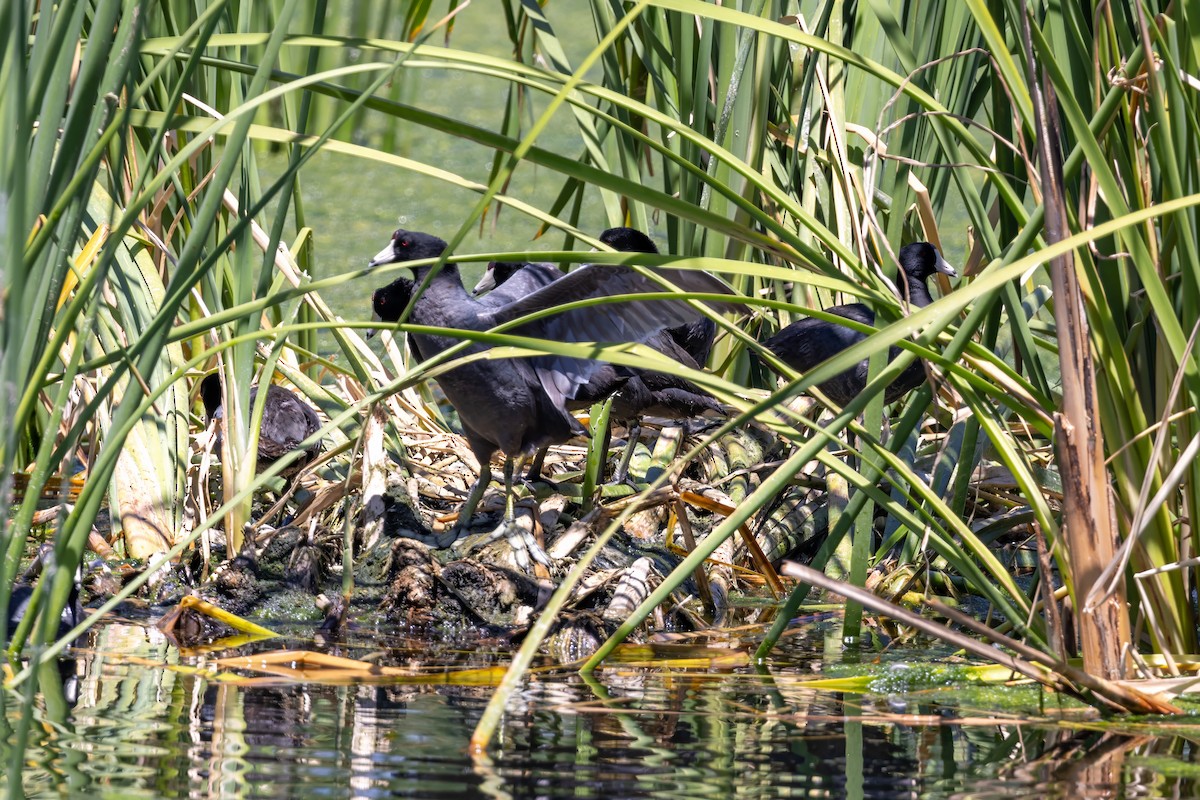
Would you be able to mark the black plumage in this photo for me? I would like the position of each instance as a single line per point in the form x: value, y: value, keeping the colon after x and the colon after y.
x: 21, y: 597
x: 25, y: 589
x: 388, y: 304
x: 286, y: 422
x: 636, y: 393
x: 695, y: 337
x: 518, y: 278
x: 520, y: 405
x: 808, y: 342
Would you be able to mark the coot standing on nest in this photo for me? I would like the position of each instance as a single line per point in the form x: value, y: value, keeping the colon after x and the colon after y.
x: 502, y: 283
x: 518, y: 279
x: 807, y: 342
x: 636, y: 392
x: 519, y: 405
x: 286, y: 422
x: 388, y: 304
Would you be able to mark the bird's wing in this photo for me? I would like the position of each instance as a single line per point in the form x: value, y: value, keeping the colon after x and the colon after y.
x: 525, y: 281
x: 626, y: 321
x: 623, y: 322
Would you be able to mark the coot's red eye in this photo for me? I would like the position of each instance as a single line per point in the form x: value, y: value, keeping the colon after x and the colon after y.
x: 403, y: 241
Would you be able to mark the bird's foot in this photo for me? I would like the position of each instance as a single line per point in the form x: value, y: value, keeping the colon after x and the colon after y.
x: 433, y: 539
x: 630, y: 481
x: 460, y: 531
x: 524, y: 545
x: 623, y: 477
x: 534, y: 483
x: 446, y: 538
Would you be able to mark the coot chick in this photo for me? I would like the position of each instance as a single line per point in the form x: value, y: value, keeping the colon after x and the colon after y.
x: 807, y: 342
x: 286, y: 422
x: 519, y: 405
x: 697, y: 336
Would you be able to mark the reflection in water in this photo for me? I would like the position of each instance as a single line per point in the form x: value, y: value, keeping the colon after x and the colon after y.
x: 141, y: 730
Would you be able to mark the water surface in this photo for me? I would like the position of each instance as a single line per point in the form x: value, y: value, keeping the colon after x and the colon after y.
x: 145, y: 723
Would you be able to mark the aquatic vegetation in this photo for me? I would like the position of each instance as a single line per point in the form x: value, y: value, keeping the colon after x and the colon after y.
x: 146, y: 245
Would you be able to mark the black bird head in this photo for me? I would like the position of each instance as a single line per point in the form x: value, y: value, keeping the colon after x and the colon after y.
x: 389, y: 302
x: 628, y: 240
x: 409, y: 246
x: 497, y: 272
x: 210, y: 394
x: 921, y: 259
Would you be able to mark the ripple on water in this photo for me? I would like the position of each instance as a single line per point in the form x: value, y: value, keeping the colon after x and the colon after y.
x: 137, y: 730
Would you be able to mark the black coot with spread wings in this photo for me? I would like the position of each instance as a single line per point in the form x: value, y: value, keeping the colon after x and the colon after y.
x: 695, y: 337
x: 520, y: 405
x: 636, y: 392
x: 388, y: 303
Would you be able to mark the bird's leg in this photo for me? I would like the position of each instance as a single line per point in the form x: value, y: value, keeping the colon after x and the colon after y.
x: 510, y: 469
x: 534, y: 473
x: 631, y: 440
x: 535, y: 466
x: 468, y: 507
x: 523, y: 544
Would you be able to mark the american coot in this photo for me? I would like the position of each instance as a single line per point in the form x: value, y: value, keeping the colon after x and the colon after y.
x: 807, y: 342
x: 697, y: 336
x: 388, y: 304
x: 635, y: 392
x: 518, y: 278
x: 519, y: 405
x: 286, y: 422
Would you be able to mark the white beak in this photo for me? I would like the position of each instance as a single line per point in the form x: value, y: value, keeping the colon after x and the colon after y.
x: 944, y: 267
x: 486, y: 283
x: 385, y: 256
